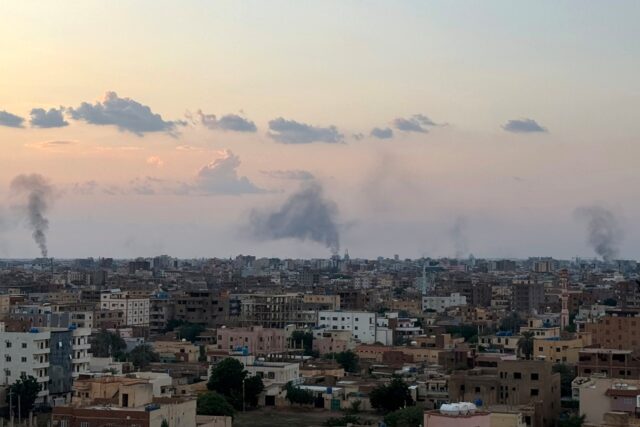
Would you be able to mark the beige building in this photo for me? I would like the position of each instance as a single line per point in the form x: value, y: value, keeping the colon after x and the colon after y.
x: 557, y: 350
x: 259, y: 341
x: 136, y: 310
x: 599, y: 396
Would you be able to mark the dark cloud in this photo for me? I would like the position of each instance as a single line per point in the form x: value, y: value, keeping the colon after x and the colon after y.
x: 357, y: 136
x: 10, y: 120
x: 523, y: 126
x: 229, y: 122
x: 604, y: 232
x: 306, y: 214
x: 379, y: 133
x: 124, y: 113
x: 221, y: 177
x: 300, y: 175
x: 292, y: 132
x: 52, y: 118
x: 415, y: 123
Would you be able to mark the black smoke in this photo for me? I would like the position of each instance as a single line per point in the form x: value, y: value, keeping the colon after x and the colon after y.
x: 604, y: 232
x: 38, y: 194
x: 306, y: 214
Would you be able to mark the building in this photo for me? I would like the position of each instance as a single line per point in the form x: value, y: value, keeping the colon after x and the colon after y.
x: 609, y: 363
x: 362, y: 324
x: 557, y: 350
x: 599, y: 396
x: 528, y: 383
x: 271, y: 310
x: 136, y: 310
x: 54, y: 356
x: 457, y: 415
x: 617, y: 329
x: 441, y: 304
x: 257, y: 340
x: 124, y: 402
x: 527, y: 295
x: 203, y: 307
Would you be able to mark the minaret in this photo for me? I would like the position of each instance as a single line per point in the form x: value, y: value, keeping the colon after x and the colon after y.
x: 564, y: 314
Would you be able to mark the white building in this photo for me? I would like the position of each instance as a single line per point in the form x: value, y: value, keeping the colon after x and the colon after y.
x: 274, y: 372
x: 44, y: 353
x: 362, y: 324
x: 136, y: 310
x: 440, y: 304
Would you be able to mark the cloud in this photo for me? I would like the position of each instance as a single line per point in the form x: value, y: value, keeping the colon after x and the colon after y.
x: 415, y: 123
x: 10, y: 120
x: 379, y: 133
x: 51, y: 145
x: 124, y: 113
x: 221, y: 177
x: 296, y: 174
x: 52, y: 118
x: 292, y: 132
x: 523, y: 126
x: 155, y: 161
x: 84, y: 188
x: 228, y: 122
x: 357, y: 136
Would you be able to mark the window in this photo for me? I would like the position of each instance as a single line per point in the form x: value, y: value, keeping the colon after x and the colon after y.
x: 534, y: 392
x: 8, y: 344
x: 534, y: 377
x: 24, y: 345
x: 517, y: 376
x: 23, y: 359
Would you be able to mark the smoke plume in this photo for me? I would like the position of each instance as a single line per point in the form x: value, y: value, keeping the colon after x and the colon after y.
x: 459, y: 236
x: 306, y: 214
x: 39, y: 194
x: 604, y: 233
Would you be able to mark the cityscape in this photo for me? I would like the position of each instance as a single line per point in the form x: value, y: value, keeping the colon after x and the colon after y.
x: 337, y: 213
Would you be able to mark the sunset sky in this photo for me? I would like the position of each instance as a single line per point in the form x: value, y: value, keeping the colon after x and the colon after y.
x: 437, y: 128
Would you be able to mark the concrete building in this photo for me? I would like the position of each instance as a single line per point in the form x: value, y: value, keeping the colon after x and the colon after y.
x: 270, y: 310
x: 362, y: 324
x: 617, y: 329
x: 274, y: 372
x: 610, y: 363
x: 136, y: 310
x: 259, y: 341
x: 527, y: 295
x: 203, y: 307
x: 325, y: 342
x: 448, y: 418
x: 557, y: 350
x: 124, y: 402
x: 441, y: 304
x: 529, y: 383
x: 599, y: 396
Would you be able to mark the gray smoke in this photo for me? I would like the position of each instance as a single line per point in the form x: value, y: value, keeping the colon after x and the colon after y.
x: 459, y: 236
x: 39, y: 195
x: 604, y: 232
x: 306, y: 214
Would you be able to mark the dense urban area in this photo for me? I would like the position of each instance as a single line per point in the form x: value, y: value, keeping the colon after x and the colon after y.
x: 329, y: 342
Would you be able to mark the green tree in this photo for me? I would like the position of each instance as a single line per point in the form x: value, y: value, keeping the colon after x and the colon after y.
x: 212, y: 403
x: 572, y: 421
x: 468, y: 332
x: 27, y: 388
x: 164, y: 423
x: 412, y: 416
x: 190, y: 331
x: 303, y: 339
x: 512, y: 322
x: 298, y: 395
x: 107, y: 344
x: 227, y: 378
x: 567, y: 375
x: 347, y: 359
x: 391, y: 397
x: 610, y: 302
x: 142, y: 356
x: 525, y: 344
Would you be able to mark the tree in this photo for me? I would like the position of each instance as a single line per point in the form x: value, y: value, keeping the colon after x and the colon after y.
x: 391, y: 397
x: 525, y: 344
x: 610, y: 302
x: 572, y: 421
x: 412, y: 416
x: 27, y: 389
x: 512, y: 322
x: 468, y: 332
x: 164, y: 423
x: 298, y: 395
x: 107, y: 344
x: 190, y: 331
x: 567, y: 375
x: 227, y: 378
x: 142, y: 356
x: 212, y: 403
x: 347, y: 359
x: 303, y: 339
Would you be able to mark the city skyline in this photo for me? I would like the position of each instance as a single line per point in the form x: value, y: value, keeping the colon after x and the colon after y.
x: 422, y: 130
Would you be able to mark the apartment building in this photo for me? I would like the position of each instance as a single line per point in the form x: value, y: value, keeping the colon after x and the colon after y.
x: 202, y: 306
x: 270, y: 310
x: 617, y: 329
x: 527, y: 295
x: 362, y: 324
x: 514, y: 382
x: 610, y: 363
x: 54, y: 356
x: 135, y: 309
x: 257, y: 340
x: 440, y: 304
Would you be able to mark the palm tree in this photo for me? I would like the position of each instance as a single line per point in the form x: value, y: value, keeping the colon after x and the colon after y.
x: 525, y: 344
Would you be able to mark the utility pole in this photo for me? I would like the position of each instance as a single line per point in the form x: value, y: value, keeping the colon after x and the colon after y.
x: 243, y: 408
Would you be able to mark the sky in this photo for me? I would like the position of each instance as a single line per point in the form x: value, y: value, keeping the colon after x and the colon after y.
x: 196, y: 128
